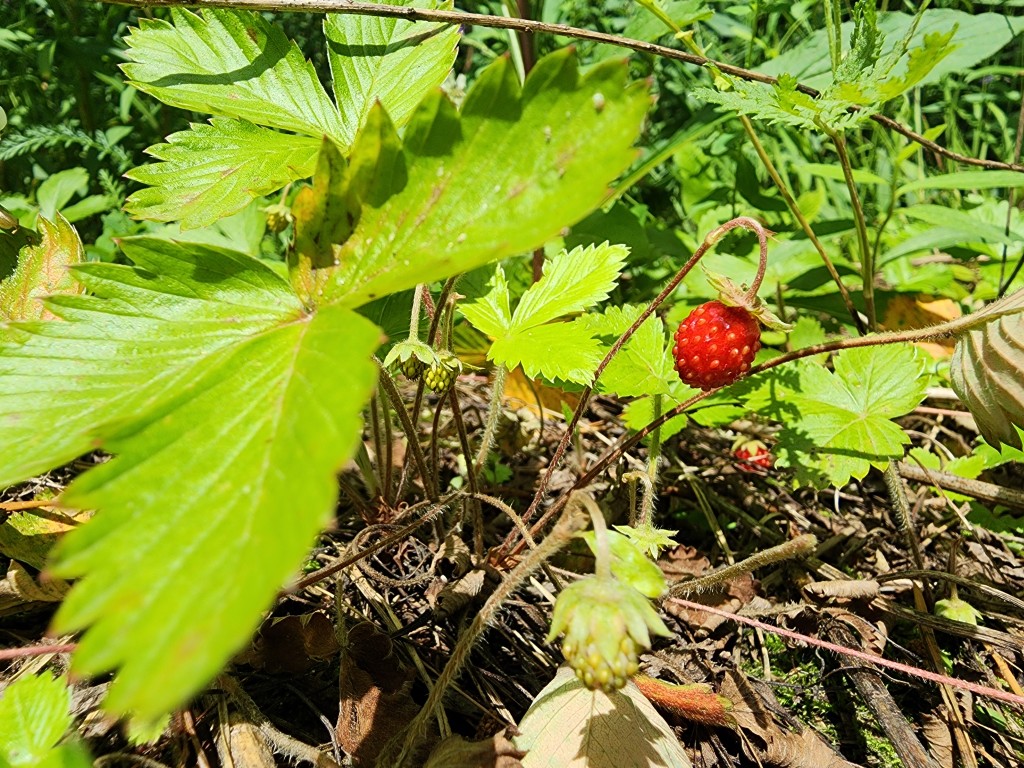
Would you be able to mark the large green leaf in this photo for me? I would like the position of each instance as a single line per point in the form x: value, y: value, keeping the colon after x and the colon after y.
x: 233, y: 64
x: 228, y: 408
x: 394, y: 61
x: 509, y: 173
x: 212, y: 171
x: 838, y: 425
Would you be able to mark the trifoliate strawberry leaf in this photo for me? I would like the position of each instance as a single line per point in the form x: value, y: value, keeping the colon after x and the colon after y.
x: 231, y: 64
x: 643, y: 366
x: 212, y: 171
x: 34, y: 713
x: 501, y: 178
x: 42, y: 270
x: 572, y: 281
x: 391, y: 60
x: 557, y: 351
x: 228, y: 408
x: 838, y: 425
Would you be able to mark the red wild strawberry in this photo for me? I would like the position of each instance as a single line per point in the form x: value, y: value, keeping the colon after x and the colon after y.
x: 715, y: 345
x: 752, y: 454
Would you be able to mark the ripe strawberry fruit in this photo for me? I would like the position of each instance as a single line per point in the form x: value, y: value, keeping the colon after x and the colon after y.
x: 715, y: 345
x: 751, y: 454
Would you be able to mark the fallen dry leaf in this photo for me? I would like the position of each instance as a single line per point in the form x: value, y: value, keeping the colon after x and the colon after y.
x: 771, y: 743
x: 496, y: 752
x: 375, y: 704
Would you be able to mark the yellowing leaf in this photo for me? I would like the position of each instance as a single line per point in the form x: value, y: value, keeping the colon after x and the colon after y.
x: 42, y: 271
x: 904, y: 312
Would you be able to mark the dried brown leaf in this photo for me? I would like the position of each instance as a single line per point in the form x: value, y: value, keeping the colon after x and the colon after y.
x: 374, y: 700
x: 772, y: 743
x: 495, y: 752
x: 841, y: 589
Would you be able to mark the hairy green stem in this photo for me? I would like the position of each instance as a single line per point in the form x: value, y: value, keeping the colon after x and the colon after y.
x: 801, y: 546
x: 493, y: 417
x: 867, y: 261
x: 411, y: 435
x: 805, y: 225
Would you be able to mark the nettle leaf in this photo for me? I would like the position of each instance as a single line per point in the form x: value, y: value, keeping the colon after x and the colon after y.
x: 391, y: 60
x: 501, y: 178
x: 839, y: 424
x: 42, y: 270
x: 231, y: 64
x: 572, y: 281
x: 212, y: 171
x: 227, y: 414
x: 986, y: 373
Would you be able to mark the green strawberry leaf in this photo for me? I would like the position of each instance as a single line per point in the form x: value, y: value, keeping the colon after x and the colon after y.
x: 838, y: 425
x: 572, y: 281
x: 639, y: 413
x: 212, y: 171
x: 232, y: 64
x: 558, y: 351
x: 393, y: 61
x: 42, y: 270
x: 451, y: 198
x: 225, y: 342
x: 488, y: 309
x: 644, y: 365
x: 34, y: 711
